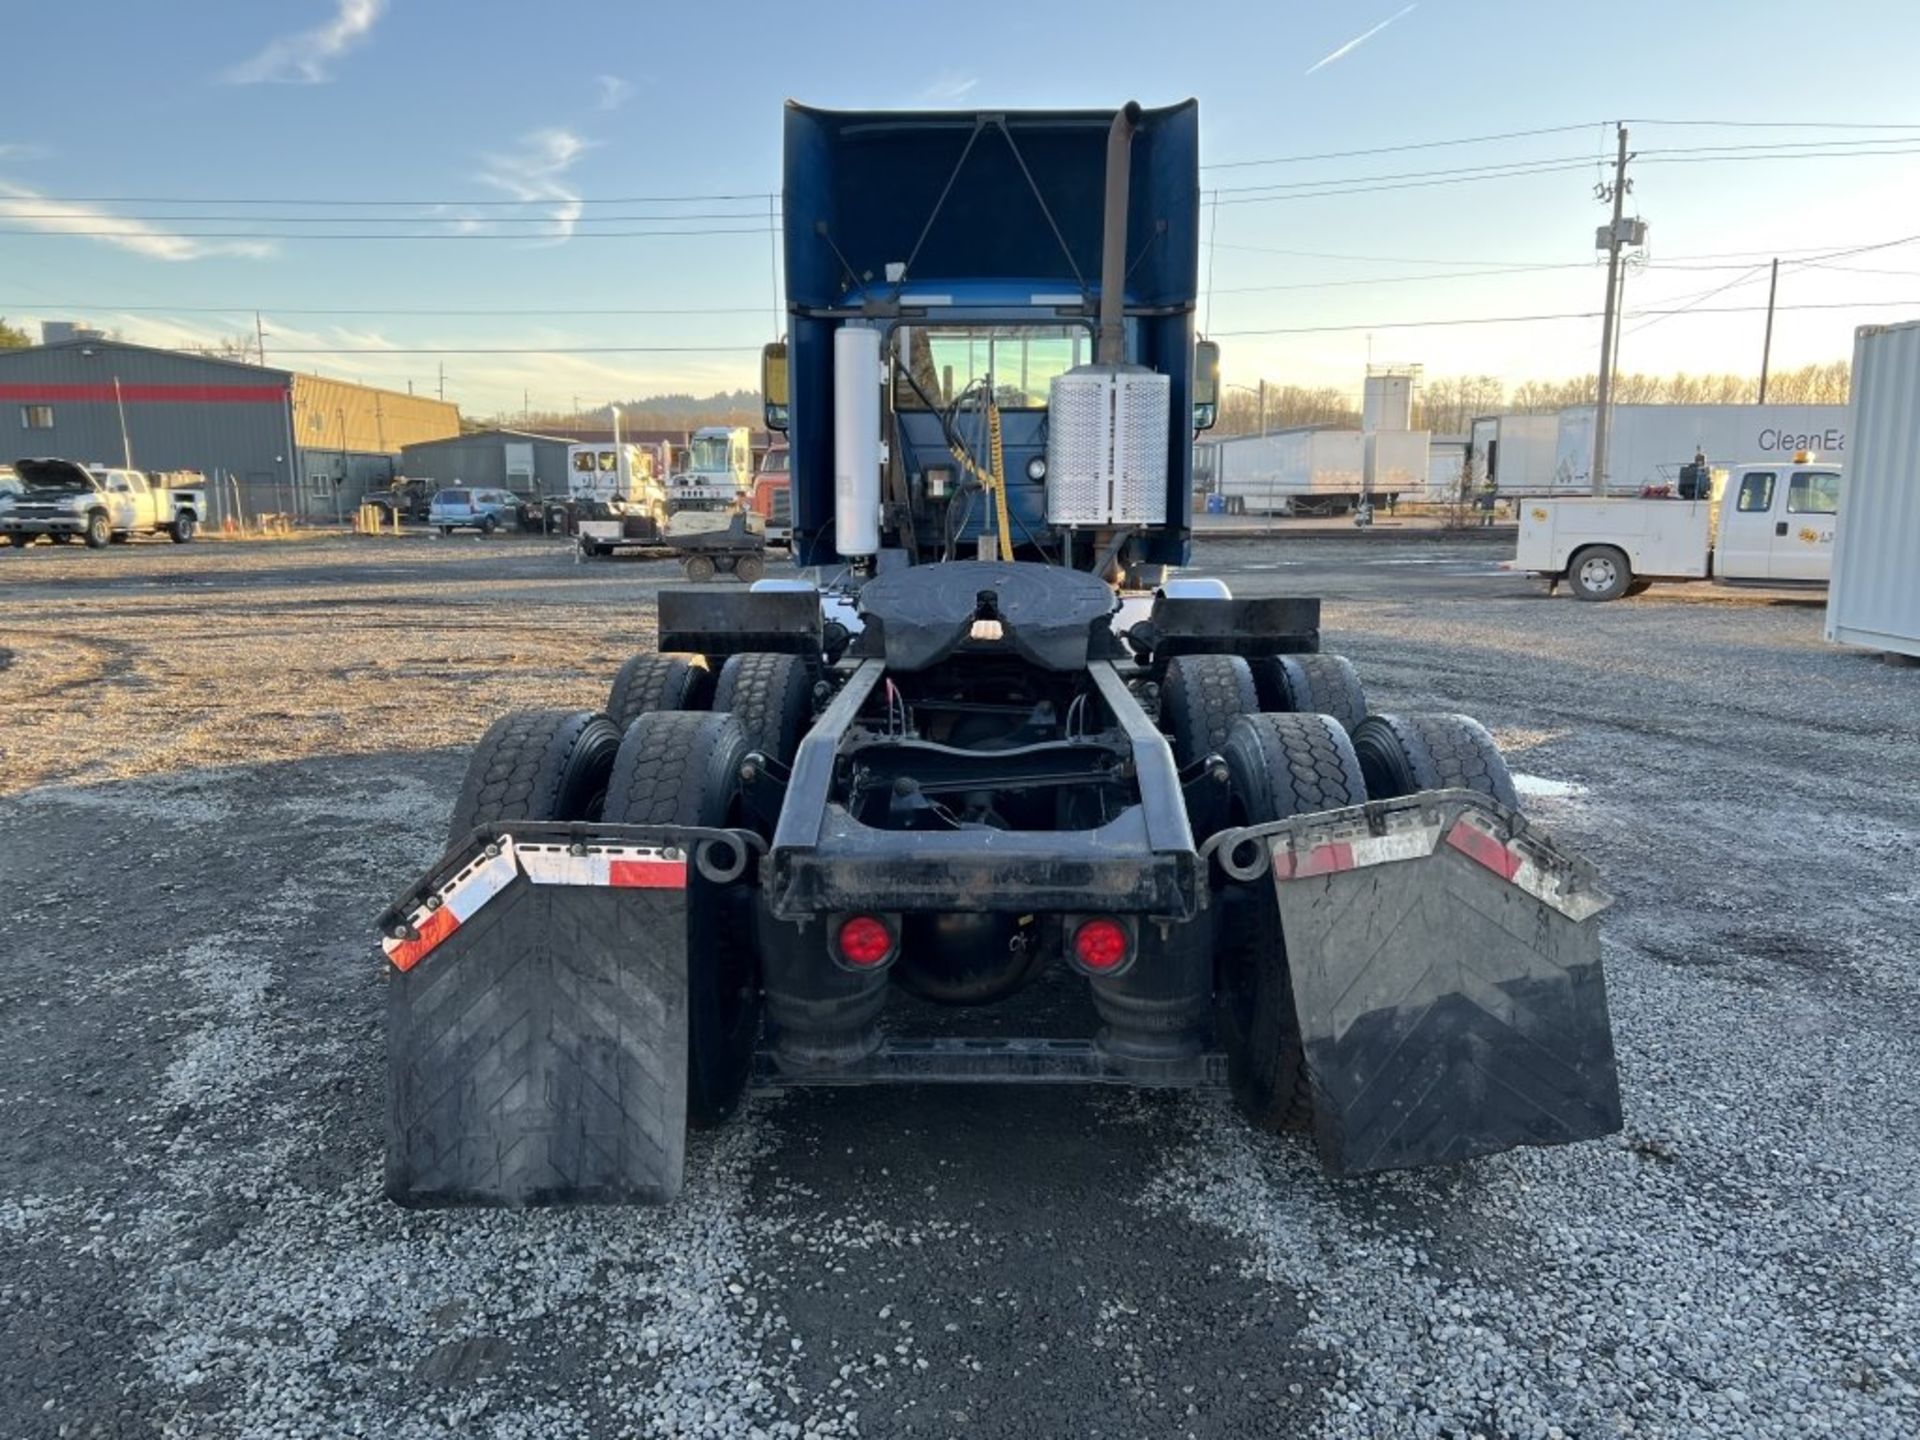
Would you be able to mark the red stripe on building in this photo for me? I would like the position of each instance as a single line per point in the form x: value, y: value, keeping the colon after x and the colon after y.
x: 1478, y: 845
x: 647, y: 874
x: 145, y: 394
x: 435, y: 928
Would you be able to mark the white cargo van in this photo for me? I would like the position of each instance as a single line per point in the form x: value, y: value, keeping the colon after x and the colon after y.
x: 1767, y: 523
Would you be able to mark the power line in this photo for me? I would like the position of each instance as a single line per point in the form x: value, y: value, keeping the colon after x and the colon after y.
x: 526, y: 349
x: 12, y: 214
x: 1400, y: 149
x: 533, y: 312
x: 294, y: 235
x: 1452, y: 170
x: 1563, y: 315
x: 487, y: 203
x: 1462, y: 179
x: 1782, y: 124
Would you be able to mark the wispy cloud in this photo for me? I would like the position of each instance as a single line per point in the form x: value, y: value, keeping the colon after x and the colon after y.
x: 535, y: 173
x: 948, y: 87
x: 303, y: 58
x: 614, y: 92
x: 21, y: 206
x: 1362, y: 38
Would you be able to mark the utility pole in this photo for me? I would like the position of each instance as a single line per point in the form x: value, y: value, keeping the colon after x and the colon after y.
x: 443, y: 379
x: 1602, y: 410
x: 1766, y: 346
x: 260, y: 336
x: 1263, y: 407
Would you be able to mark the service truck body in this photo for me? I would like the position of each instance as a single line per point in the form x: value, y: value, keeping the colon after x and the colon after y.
x: 1765, y: 523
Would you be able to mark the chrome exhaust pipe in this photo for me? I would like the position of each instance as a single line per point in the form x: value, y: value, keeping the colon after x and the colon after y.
x: 1111, y: 344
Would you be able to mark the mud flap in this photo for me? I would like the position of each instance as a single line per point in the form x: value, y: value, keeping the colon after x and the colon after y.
x: 537, y: 1028
x: 1445, y: 963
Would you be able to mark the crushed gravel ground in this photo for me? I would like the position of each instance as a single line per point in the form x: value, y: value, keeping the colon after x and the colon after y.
x: 217, y: 762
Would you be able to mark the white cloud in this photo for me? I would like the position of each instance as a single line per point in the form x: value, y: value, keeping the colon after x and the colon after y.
x: 948, y: 87
x: 1362, y: 38
x: 21, y: 206
x: 614, y: 92
x: 303, y: 57
x: 535, y: 173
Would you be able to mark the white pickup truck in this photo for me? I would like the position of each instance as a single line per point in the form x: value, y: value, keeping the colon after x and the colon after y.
x: 63, y: 498
x: 1769, y: 523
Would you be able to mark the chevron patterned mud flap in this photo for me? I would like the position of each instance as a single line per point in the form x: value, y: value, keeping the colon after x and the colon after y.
x: 1445, y: 963
x: 537, y: 1029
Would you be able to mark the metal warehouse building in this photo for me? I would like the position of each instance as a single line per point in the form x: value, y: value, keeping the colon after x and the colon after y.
x: 500, y: 459
x: 266, y: 440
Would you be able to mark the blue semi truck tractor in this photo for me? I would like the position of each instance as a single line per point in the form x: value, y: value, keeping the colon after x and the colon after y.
x: 991, y: 741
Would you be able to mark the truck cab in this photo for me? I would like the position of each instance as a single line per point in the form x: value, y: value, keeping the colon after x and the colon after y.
x: 1762, y: 523
x: 612, y: 480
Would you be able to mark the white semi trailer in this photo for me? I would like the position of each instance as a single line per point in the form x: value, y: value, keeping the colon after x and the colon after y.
x: 1649, y: 443
x: 1875, y: 599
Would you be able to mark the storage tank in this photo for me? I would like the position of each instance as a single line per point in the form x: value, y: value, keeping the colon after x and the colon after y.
x: 1387, y: 402
x: 1874, y: 600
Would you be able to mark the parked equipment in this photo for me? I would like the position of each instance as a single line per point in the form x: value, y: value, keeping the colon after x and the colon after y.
x: 994, y: 737
x: 1767, y: 524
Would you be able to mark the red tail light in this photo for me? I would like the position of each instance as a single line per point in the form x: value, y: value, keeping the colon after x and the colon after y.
x: 1101, y: 945
x: 863, y: 942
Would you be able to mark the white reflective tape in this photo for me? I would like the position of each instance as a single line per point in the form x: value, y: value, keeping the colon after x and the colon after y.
x: 565, y: 865
x: 1402, y: 845
x: 476, y: 886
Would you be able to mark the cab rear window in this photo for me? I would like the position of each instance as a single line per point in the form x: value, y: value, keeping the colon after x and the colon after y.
x: 1756, y: 492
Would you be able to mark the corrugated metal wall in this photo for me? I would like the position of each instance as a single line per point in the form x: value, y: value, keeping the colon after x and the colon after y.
x: 1874, y: 600
x: 336, y: 415
x: 183, y: 412
x: 481, y: 459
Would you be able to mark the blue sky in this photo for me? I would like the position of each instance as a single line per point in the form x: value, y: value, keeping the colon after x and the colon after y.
x: 113, y: 108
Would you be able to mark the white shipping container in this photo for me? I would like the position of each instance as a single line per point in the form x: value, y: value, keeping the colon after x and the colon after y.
x: 1397, y: 462
x: 1650, y: 443
x: 1268, y: 473
x: 1874, y: 600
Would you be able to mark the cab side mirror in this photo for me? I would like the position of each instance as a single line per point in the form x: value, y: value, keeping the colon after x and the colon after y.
x: 773, y: 384
x: 1206, y: 384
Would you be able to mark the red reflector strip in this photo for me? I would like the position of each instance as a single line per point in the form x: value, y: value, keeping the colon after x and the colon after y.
x: 1481, y: 847
x: 1321, y: 860
x: 647, y: 874
x: 439, y: 924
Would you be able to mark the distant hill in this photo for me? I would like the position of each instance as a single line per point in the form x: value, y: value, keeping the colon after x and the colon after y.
x: 652, y: 412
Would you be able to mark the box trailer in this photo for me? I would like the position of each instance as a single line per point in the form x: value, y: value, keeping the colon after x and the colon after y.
x: 1875, y: 600
x: 1446, y: 469
x: 1516, y: 451
x: 1397, y: 463
x: 1649, y: 443
x: 1295, y: 471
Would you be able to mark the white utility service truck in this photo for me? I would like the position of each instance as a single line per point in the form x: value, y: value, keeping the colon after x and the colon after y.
x: 63, y: 499
x: 1767, y: 523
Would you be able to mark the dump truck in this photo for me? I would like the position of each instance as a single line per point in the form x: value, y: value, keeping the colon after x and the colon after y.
x: 830, y: 829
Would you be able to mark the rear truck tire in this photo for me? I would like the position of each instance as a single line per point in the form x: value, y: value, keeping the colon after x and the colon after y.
x: 1279, y: 766
x: 750, y: 568
x: 1311, y: 685
x: 182, y: 529
x: 647, y: 683
x: 489, y: 525
x: 771, y: 696
x: 1599, y: 572
x: 1404, y: 754
x: 99, y: 531
x: 1200, y: 699
x: 699, y: 568
x: 19, y: 539
x: 679, y: 767
x: 536, y: 765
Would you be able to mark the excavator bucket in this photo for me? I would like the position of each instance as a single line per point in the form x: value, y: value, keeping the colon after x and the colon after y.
x: 1445, y: 963
x: 537, y: 1022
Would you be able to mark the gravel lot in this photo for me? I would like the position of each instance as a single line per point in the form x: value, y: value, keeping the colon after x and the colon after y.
x: 217, y: 762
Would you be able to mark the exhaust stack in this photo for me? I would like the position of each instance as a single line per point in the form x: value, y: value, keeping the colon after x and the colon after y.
x: 1111, y: 345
